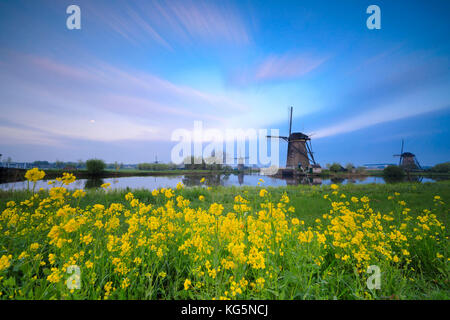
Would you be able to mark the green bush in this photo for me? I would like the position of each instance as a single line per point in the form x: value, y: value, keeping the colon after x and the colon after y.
x: 442, y: 167
x: 95, y: 166
x: 335, y: 167
x: 393, y: 172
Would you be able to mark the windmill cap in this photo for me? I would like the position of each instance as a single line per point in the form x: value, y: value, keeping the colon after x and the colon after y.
x: 298, y: 136
x: 408, y: 154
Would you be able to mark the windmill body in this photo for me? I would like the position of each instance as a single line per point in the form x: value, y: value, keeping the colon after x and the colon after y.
x: 240, y: 166
x: 241, y: 162
x: 299, y: 154
x: 408, y: 160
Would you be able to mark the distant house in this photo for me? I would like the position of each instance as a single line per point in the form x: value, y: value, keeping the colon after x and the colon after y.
x: 316, y: 168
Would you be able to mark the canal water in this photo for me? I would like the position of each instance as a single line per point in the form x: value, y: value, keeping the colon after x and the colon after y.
x: 154, y: 182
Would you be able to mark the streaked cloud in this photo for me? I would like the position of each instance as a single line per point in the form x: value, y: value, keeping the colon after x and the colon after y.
x: 62, y: 100
x: 282, y: 67
x: 13, y: 135
x: 408, y: 107
x: 397, y: 86
x: 172, y: 23
x: 286, y: 66
x: 217, y: 21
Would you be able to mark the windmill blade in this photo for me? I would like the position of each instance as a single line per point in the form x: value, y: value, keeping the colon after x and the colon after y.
x: 417, y: 163
x: 311, y: 153
x: 290, y: 123
x: 401, y: 154
x: 278, y: 137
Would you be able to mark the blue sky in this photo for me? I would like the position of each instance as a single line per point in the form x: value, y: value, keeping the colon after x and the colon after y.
x: 137, y: 70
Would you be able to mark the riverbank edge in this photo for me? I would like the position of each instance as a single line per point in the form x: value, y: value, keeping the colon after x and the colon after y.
x: 16, y: 175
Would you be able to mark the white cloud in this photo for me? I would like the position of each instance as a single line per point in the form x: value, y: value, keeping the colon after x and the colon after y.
x: 406, y: 106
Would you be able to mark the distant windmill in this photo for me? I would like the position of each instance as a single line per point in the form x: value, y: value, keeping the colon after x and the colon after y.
x: 408, y: 160
x: 241, y: 161
x: 299, y: 148
x: 156, y: 159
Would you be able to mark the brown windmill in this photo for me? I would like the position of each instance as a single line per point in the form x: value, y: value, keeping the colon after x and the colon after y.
x: 241, y: 161
x: 299, y: 153
x: 408, y: 160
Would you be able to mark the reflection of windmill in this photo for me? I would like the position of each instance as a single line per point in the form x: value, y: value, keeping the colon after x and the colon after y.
x: 240, y: 178
x: 408, y: 160
x: 241, y: 161
x: 299, y: 148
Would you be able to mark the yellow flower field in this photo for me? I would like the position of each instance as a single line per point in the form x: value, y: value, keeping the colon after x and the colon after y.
x: 256, y: 247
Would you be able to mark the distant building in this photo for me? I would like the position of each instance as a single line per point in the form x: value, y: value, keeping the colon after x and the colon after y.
x: 16, y: 165
x: 377, y: 166
x: 316, y: 168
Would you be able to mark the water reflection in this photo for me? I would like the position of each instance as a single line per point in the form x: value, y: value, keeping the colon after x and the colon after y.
x: 241, y: 179
x: 213, y: 180
x: 417, y: 179
x: 94, y: 183
x: 303, y: 180
x: 337, y: 180
x: 210, y: 180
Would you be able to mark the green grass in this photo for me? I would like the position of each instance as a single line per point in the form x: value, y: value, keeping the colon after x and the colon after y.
x: 309, y: 204
x: 307, y: 200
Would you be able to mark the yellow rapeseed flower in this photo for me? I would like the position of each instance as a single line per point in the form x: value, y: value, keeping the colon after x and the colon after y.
x: 78, y: 193
x: 5, y: 262
x: 34, y: 175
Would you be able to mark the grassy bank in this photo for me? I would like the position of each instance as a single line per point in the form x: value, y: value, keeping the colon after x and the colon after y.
x: 294, y: 242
